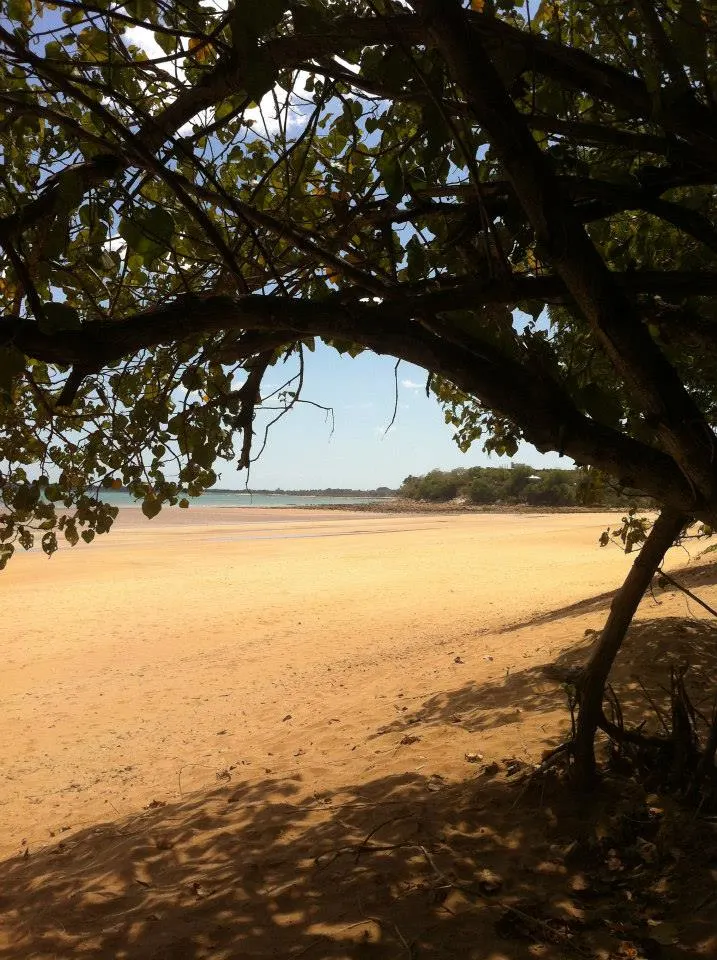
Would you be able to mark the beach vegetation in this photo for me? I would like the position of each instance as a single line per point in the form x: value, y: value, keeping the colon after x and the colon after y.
x: 520, y: 484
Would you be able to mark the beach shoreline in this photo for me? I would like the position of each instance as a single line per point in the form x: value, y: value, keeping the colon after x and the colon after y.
x: 199, y: 514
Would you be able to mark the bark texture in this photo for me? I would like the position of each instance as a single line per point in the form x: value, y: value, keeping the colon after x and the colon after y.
x: 591, y: 685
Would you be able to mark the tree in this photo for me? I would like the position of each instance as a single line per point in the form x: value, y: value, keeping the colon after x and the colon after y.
x: 384, y: 175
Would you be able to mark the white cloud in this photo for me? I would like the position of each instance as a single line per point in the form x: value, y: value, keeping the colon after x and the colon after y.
x: 351, y: 67
x: 144, y: 39
x: 115, y: 243
x: 410, y: 385
x: 280, y: 107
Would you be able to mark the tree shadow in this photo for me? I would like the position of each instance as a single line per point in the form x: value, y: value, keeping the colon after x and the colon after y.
x: 698, y: 575
x: 640, y: 679
x: 390, y: 868
x: 401, y: 866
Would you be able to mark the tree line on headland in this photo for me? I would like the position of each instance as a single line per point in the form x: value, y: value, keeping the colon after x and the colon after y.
x: 520, y: 484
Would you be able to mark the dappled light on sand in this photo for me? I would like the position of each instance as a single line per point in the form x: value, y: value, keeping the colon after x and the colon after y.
x: 312, y: 740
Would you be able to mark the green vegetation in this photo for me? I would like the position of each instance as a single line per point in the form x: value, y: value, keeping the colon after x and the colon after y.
x: 519, y: 484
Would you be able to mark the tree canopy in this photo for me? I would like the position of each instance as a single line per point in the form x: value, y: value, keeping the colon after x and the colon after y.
x: 518, y: 198
x: 519, y: 484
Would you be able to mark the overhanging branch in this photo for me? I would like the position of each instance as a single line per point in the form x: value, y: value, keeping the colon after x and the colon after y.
x: 520, y: 390
x: 559, y: 233
x: 191, y: 316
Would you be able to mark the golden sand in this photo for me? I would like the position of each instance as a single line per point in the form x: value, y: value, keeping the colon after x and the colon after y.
x: 142, y: 667
x: 268, y: 734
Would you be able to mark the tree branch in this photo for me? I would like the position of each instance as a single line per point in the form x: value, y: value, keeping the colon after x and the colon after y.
x: 191, y: 316
x: 249, y: 396
x: 519, y: 390
x: 562, y: 238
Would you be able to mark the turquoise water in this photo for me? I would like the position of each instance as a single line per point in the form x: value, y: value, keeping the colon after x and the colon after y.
x: 233, y: 498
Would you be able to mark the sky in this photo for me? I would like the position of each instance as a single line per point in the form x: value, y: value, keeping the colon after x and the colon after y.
x: 303, y: 453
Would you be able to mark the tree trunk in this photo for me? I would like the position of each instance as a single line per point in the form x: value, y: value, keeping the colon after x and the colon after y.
x: 592, y: 681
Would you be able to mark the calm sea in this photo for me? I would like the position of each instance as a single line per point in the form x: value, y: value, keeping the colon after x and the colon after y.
x: 234, y: 498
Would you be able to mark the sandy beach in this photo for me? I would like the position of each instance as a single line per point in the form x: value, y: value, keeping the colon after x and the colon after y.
x: 319, y: 649
x: 141, y: 667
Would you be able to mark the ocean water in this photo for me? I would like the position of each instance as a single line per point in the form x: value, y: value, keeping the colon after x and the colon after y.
x: 240, y: 498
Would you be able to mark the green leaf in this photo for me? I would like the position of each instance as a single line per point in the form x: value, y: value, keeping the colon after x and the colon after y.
x: 225, y: 109
x: 149, y: 232
x: 437, y: 134
x: 71, y: 186
x: 6, y: 551
x: 417, y: 261
x: 193, y: 379
x: 392, y: 176
x: 71, y: 534
x: 259, y: 17
x: 151, y: 506
x: 20, y: 10
x: 49, y: 543
x: 167, y: 42
x: 141, y: 9
x: 12, y: 363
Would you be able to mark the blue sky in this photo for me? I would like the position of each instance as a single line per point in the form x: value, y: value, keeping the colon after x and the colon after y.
x: 302, y: 453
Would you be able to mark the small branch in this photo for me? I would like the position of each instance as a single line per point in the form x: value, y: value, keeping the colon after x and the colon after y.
x: 658, y: 712
x: 72, y: 385
x: 623, y: 735
x: 395, y: 398
x: 474, y: 889
x: 23, y: 275
x: 249, y: 395
x: 687, y: 592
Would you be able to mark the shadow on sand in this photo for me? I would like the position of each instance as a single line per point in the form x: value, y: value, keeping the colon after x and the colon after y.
x: 387, y: 869
x: 695, y: 576
x: 640, y: 677
x: 398, y: 867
